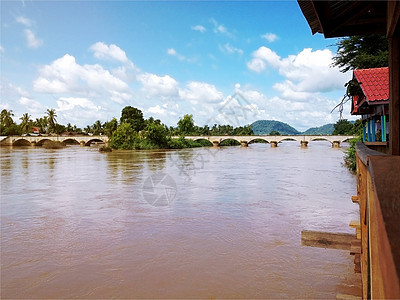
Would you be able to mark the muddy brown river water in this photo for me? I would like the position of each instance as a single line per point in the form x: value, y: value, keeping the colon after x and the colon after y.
x: 193, y: 223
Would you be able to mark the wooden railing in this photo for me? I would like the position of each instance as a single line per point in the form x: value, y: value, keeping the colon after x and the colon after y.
x: 378, y: 194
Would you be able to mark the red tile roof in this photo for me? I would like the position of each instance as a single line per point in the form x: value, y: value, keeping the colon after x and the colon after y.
x: 374, y: 83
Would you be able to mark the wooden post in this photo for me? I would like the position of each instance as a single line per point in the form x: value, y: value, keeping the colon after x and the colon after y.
x: 394, y: 94
x: 364, y: 126
x: 373, y: 129
x: 383, y: 128
x: 369, y: 131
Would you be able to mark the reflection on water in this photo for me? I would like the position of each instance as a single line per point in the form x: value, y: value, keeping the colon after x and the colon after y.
x: 75, y: 223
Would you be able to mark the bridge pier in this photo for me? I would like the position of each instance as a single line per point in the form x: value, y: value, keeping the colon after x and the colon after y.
x: 33, y: 144
x: 336, y: 144
x: 303, y: 144
x: 244, y: 143
x: 274, y: 144
x: 82, y: 143
x: 215, y: 144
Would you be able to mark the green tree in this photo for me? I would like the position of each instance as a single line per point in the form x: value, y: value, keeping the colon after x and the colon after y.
x: 97, y: 128
x: 51, y: 118
x: 42, y: 123
x: 134, y: 117
x: 361, y: 52
x: 157, y: 134
x: 69, y: 127
x: 357, y: 127
x: 110, y: 127
x: 88, y: 129
x: 343, y: 126
x: 6, y: 118
x: 274, y: 132
x: 26, y: 123
x: 186, y: 125
x: 124, y: 137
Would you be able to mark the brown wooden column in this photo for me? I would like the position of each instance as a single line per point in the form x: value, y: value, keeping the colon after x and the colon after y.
x: 394, y: 111
x: 393, y: 34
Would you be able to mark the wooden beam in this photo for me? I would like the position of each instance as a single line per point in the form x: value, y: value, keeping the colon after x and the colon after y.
x: 331, y: 240
x: 393, y: 16
x: 394, y: 92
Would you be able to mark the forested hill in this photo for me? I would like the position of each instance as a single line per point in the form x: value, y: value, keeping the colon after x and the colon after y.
x: 322, y: 130
x: 267, y: 126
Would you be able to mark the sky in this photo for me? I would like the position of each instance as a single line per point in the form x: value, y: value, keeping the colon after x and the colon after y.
x: 224, y: 62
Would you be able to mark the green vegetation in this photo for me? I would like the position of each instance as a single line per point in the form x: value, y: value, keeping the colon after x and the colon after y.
x: 361, y: 52
x: 326, y: 129
x: 357, y: 52
x: 267, y: 126
x: 134, y: 132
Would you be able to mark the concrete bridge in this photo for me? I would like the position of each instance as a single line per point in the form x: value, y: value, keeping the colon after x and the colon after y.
x: 273, y: 140
x: 83, y: 140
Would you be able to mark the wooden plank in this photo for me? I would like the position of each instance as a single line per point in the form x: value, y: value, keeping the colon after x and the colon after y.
x: 331, y: 240
x: 347, y: 297
x: 355, y: 199
x: 355, y: 224
x: 355, y: 247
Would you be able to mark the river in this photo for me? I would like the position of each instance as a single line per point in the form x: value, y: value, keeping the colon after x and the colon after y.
x: 193, y: 223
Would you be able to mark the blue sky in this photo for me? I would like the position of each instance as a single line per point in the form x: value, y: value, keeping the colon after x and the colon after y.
x: 226, y: 62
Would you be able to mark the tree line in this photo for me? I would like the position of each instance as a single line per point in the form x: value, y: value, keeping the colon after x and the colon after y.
x: 131, y: 131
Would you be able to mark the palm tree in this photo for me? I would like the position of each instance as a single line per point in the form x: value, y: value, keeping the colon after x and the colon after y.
x: 6, y: 118
x: 51, y: 118
x: 25, y: 122
x: 97, y: 128
x: 88, y: 129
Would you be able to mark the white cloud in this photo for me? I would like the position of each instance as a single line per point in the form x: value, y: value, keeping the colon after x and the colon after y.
x: 31, y: 39
x: 220, y: 28
x: 31, y: 105
x: 70, y: 103
x: 64, y: 75
x: 161, y: 86
x: 173, y: 52
x: 196, y: 92
x: 270, y: 37
x: 261, y: 57
x: 78, y: 111
x: 311, y: 71
x: 110, y: 52
x: 157, y: 110
x: 24, y: 21
x: 231, y: 49
x: 1, y: 49
x: 308, y: 71
x: 199, y: 28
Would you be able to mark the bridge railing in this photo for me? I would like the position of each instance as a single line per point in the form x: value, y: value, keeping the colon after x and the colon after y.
x: 378, y: 194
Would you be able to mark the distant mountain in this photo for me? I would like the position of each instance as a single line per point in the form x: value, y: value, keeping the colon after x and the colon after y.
x: 322, y: 130
x: 263, y: 127
x: 266, y: 126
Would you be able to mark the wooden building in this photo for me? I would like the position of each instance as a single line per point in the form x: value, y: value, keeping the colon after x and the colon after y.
x: 378, y: 174
x: 370, y: 99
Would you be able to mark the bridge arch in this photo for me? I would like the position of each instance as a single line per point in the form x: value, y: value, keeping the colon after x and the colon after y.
x: 290, y: 139
x: 251, y: 141
x: 227, y: 139
x: 69, y: 141
x: 42, y: 141
x: 203, y: 139
x: 21, y: 142
x: 91, y: 141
